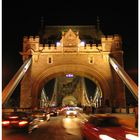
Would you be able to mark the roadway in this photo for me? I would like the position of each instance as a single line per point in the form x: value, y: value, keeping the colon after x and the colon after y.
x: 58, y: 128
x: 61, y: 128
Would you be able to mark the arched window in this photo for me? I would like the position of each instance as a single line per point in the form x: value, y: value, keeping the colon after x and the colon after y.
x: 91, y: 60
x: 50, y: 60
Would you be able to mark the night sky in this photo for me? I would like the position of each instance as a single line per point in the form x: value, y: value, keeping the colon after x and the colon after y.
x: 20, y: 18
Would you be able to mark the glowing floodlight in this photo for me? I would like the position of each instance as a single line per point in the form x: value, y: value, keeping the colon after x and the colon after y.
x: 58, y: 44
x: 82, y: 43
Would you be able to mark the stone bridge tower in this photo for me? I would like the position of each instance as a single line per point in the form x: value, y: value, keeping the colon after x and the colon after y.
x: 80, y: 50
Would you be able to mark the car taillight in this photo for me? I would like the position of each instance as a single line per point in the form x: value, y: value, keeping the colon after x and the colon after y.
x: 5, y: 123
x: 22, y: 123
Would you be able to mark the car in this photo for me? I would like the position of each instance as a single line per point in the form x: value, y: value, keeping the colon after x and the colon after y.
x: 53, y: 111
x: 19, y: 121
x: 106, y: 127
x: 71, y: 112
x: 41, y: 115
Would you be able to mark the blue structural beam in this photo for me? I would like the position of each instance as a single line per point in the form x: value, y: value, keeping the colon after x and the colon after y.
x: 125, y: 77
x: 8, y: 90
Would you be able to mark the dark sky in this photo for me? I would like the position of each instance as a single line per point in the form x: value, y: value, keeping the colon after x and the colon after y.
x: 20, y: 18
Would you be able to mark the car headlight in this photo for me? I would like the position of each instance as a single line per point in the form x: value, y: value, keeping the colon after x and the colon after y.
x: 68, y: 112
x: 131, y: 137
x: 105, y: 137
x: 75, y: 112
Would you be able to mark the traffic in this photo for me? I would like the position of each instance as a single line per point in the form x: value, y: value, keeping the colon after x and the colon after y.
x: 67, y: 123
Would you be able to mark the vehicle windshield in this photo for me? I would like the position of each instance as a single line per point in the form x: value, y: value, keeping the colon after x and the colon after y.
x: 105, y: 122
x: 71, y: 109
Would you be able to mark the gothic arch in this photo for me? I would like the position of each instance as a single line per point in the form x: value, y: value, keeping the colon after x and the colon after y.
x: 61, y: 70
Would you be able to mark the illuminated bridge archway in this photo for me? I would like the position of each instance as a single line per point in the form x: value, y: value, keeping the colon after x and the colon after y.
x: 72, y: 55
x: 79, y: 70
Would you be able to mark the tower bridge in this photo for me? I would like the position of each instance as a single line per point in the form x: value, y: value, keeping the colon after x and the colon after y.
x: 79, y: 50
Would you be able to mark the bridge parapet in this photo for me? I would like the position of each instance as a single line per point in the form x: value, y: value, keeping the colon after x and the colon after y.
x: 60, y: 48
x: 31, y: 39
x: 50, y: 48
x: 89, y: 48
x: 31, y: 42
x: 111, y: 43
x: 108, y: 44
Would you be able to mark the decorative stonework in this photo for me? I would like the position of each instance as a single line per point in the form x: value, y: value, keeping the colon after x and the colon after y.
x: 70, y: 39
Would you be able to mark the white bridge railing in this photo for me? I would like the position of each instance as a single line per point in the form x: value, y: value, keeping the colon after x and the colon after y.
x: 8, y: 90
x: 125, y: 77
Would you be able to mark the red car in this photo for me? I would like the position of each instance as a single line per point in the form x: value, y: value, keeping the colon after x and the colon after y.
x: 101, y: 127
x: 19, y: 121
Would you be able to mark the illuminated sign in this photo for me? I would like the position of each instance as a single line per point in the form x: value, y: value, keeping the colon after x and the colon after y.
x: 69, y: 75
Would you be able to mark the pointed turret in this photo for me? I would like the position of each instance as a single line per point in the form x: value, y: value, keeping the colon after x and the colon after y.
x: 98, y: 31
x: 98, y: 24
x: 41, y: 30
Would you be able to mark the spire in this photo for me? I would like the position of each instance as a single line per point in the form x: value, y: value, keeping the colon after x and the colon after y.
x: 42, y: 22
x: 98, y: 24
x: 99, y: 33
x: 41, y: 30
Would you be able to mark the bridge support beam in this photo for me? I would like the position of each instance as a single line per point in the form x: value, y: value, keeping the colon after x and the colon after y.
x: 125, y: 78
x: 8, y: 90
